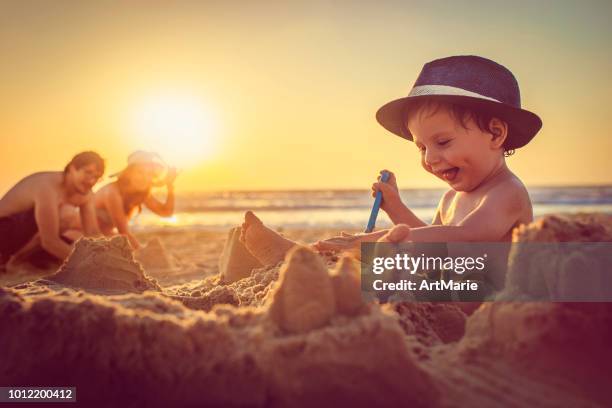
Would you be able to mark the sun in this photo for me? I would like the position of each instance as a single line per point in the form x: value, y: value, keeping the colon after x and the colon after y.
x: 180, y: 127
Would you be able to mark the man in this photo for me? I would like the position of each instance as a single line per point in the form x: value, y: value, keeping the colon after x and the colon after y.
x: 30, y: 211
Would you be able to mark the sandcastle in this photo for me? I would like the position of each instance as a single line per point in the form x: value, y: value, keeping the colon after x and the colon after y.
x: 346, y: 282
x: 304, y: 298
x: 104, y: 266
x: 236, y: 262
x: 155, y: 256
x: 558, y: 345
x: 561, y: 258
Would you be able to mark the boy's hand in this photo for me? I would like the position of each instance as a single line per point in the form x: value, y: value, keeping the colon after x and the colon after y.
x: 390, y: 192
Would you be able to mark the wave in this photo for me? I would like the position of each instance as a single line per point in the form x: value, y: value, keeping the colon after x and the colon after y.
x: 361, y: 199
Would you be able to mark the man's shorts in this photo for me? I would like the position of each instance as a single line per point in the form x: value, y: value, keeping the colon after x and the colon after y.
x: 16, y: 230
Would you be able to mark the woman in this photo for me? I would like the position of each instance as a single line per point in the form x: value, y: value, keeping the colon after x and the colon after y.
x: 117, y: 202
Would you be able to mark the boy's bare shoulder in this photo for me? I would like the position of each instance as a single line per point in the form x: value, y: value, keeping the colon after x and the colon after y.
x: 511, y: 192
x: 445, y: 201
x: 511, y: 183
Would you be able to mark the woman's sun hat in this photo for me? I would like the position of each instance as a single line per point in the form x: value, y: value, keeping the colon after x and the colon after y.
x: 144, y: 157
x: 471, y: 81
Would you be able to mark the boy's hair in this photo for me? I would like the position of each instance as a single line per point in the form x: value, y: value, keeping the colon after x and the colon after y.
x: 460, y: 113
x: 85, y: 159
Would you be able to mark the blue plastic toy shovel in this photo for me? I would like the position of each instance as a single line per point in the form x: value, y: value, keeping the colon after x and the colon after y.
x: 384, y: 177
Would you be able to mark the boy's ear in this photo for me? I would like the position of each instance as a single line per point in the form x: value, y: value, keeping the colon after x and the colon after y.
x: 499, y: 130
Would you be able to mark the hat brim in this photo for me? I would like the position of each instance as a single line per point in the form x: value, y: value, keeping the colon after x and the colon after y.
x: 522, y: 124
x: 161, y: 166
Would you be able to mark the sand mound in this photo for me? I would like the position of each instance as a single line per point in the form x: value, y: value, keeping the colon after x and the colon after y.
x: 346, y: 282
x: 304, y: 297
x: 254, y: 290
x: 155, y: 351
x: 236, y: 262
x: 104, y: 266
x: 218, y: 295
x: 541, y: 328
x: 301, y: 336
x: 566, y: 228
x: 564, y: 347
x: 243, y: 281
x: 155, y: 256
x: 551, y: 342
x: 550, y: 260
x: 431, y: 323
x: 211, y: 291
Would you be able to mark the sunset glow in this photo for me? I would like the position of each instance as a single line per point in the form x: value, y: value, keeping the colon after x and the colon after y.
x: 178, y: 126
x: 283, y: 95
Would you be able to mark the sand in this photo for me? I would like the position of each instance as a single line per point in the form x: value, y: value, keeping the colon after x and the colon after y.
x: 104, y: 266
x: 236, y: 262
x: 549, y: 260
x: 296, y: 334
x: 303, y: 299
x: 154, y: 256
x: 261, y: 356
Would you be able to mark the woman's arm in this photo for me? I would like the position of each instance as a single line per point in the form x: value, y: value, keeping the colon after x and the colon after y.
x: 164, y: 209
x: 89, y: 221
x: 113, y: 202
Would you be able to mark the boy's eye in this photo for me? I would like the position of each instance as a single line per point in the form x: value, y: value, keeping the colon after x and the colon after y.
x: 443, y: 142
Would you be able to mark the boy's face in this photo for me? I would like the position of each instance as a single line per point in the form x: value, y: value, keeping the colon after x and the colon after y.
x: 461, y: 157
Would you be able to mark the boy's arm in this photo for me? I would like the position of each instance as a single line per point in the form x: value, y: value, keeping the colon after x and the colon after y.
x: 400, y: 214
x: 403, y: 215
x: 490, y: 221
x: 392, y: 203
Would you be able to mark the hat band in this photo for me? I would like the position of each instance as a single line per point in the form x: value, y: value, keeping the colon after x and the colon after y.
x: 422, y: 90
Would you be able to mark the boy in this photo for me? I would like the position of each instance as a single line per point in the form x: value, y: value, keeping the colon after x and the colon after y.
x: 463, y: 114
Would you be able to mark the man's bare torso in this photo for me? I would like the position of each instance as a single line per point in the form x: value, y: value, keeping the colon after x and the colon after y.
x: 21, y: 196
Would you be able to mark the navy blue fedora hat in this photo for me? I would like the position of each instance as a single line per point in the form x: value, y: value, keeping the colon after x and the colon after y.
x: 471, y: 81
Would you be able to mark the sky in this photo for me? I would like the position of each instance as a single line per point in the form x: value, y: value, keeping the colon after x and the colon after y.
x: 282, y: 95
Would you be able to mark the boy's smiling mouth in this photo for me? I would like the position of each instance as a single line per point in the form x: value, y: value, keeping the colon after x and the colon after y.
x: 448, y: 174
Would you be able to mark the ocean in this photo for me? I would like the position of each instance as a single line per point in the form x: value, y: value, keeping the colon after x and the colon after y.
x: 338, y: 209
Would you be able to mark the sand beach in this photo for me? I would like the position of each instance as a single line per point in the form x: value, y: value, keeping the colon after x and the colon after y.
x: 182, y: 323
